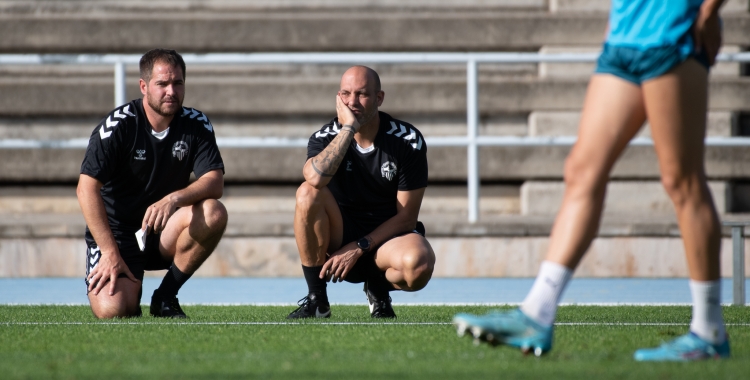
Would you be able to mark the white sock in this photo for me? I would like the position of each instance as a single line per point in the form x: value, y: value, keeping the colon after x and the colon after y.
x: 707, y: 321
x: 541, y: 302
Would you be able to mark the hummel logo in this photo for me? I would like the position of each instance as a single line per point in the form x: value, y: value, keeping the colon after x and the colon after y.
x: 411, y: 136
x: 140, y: 153
x: 348, y: 166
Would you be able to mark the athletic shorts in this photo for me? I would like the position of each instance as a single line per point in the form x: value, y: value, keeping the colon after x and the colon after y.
x: 637, y: 66
x: 355, y: 228
x: 137, y: 261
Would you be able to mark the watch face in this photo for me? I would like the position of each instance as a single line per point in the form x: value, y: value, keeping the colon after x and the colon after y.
x: 364, y: 244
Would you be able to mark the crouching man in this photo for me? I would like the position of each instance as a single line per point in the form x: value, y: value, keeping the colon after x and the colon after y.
x: 141, y: 211
x: 356, y: 213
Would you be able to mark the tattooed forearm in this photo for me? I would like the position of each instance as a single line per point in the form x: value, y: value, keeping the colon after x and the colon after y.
x: 327, y: 162
x: 319, y: 171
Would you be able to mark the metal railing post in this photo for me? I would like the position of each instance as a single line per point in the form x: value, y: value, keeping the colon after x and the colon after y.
x: 472, y: 151
x: 738, y: 265
x: 120, y: 91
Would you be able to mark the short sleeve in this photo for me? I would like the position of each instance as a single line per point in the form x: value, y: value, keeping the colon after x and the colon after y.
x: 320, y: 139
x: 207, y: 155
x: 413, y: 172
x: 102, y: 152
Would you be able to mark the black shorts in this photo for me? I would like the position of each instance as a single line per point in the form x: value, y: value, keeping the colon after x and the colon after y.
x: 137, y: 261
x: 355, y: 228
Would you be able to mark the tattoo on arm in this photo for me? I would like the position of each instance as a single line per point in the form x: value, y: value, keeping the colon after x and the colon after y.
x: 327, y: 162
x: 319, y: 171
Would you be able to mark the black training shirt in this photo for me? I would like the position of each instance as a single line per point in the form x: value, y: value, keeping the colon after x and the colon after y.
x: 368, y: 182
x: 138, y: 169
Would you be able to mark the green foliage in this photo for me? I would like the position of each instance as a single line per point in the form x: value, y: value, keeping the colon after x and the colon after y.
x: 258, y: 342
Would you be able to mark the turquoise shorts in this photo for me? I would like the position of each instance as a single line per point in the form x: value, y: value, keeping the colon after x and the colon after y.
x: 638, y: 66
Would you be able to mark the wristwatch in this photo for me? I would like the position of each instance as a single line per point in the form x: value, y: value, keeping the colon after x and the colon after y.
x: 364, y: 244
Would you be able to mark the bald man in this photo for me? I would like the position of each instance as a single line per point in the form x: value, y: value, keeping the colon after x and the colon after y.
x: 356, y: 214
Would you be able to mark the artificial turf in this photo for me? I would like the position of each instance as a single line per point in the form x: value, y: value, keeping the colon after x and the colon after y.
x: 258, y: 342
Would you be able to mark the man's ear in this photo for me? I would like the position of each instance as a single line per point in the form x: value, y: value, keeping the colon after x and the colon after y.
x: 143, y: 85
x: 381, y: 97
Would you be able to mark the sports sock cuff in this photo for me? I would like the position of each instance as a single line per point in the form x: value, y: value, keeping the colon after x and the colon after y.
x: 707, y: 321
x: 541, y: 302
x: 173, y: 281
x: 315, y: 284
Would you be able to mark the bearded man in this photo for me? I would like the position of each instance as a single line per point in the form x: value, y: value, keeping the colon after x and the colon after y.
x: 142, y: 212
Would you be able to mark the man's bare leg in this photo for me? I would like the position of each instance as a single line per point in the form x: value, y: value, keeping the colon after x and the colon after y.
x: 191, y: 235
x: 124, y: 303
x: 613, y: 112
x: 318, y: 225
x: 408, y: 262
x: 677, y: 104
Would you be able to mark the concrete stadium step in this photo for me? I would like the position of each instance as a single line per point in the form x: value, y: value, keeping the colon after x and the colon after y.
x: 276, y: 96
x: 446, y: 164
x: 198, y: 29
x: 499, y: 246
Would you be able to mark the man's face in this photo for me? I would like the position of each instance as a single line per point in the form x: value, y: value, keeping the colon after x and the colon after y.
x: 359, y: 94
x: 165, y: 91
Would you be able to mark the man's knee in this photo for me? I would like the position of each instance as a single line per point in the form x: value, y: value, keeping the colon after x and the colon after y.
x: 108, y: 309
x: 307, y: 197
x: 581, y: 177
x: 215, y: 215
x: 418, y: 264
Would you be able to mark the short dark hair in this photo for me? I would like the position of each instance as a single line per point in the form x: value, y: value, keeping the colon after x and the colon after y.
x: 170, y: 57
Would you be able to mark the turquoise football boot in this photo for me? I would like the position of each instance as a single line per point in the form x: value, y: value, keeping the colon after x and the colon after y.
x: 688, y: 347
x: 512, y: 328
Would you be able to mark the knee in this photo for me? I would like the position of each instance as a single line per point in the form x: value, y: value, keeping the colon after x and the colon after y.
x: 307, y: 197
x: 681, y: 188
x: 417, y: 265
x: 111, y: 310
x: 581, y: 178
x: 215, y: 214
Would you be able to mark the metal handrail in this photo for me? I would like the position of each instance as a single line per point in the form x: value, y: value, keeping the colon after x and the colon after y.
x: 472, y: 59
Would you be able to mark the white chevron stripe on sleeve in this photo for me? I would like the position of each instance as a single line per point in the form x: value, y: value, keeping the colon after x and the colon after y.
x: 126, y: 110
x: 401, y: 133
x: 417, y: 145
x: 411, y: 136
x: 393, y: 128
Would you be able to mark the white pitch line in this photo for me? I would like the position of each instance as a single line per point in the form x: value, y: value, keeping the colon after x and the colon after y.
x: 615, y: 324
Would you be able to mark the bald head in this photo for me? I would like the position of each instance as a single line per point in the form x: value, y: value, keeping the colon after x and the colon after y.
x: 364, y: 75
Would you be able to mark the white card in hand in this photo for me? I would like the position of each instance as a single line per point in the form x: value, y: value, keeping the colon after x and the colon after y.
x: 140, y: 236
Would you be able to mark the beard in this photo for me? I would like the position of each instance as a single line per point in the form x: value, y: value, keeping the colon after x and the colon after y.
x: 163, y: 109
x: 367, y: 117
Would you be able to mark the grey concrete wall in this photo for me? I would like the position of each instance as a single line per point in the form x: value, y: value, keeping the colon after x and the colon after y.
x: 456, y: 257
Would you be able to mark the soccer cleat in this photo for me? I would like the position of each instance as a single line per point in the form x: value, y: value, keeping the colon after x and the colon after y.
x: 688, y: 347
x: 166, y: 307
x: 380, y: 304
x: 512, y: 328
x: 311, y: 307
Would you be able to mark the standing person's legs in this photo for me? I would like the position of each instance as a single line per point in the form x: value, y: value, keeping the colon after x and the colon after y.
x: 318, y: 225
x: 677, y: 103
x: 613, y: 112
x: 190, y: 236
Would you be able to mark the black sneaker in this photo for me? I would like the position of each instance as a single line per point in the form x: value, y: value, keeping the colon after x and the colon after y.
x: 165, y: 307
x: 380, y: 304
x: 311, y: 307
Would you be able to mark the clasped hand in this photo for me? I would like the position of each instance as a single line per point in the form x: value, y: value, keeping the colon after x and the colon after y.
x: 340, y: 263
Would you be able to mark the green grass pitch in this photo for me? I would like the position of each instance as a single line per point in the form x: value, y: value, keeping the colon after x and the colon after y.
x: 226, y: 342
